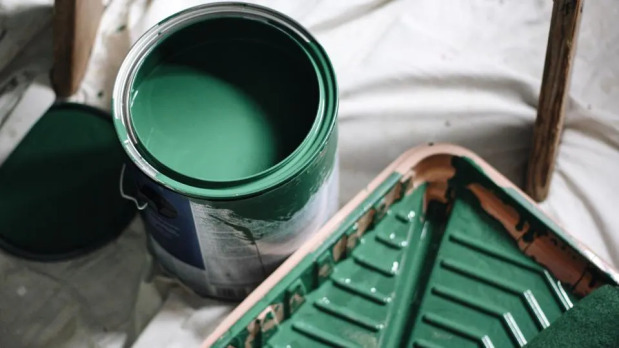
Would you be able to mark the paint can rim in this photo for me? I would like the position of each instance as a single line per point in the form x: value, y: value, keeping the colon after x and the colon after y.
x: 305, y: 154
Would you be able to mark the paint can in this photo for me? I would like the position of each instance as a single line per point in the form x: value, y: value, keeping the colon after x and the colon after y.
x: 228, y: 113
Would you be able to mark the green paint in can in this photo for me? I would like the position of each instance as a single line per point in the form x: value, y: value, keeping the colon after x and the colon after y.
x: 228, y: 112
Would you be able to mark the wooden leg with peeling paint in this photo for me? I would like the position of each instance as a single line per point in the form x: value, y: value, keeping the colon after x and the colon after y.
x: 75, y: 28
x: 562, y: 39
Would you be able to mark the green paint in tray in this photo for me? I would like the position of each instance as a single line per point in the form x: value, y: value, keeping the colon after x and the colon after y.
x: 424, y: 273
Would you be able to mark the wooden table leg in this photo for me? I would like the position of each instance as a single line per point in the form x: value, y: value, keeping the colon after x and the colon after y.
x: 75, y: 28
x: 562, y: 39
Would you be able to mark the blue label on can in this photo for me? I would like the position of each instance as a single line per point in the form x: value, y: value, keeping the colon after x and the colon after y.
x: 213, y: 249
x: 169, y: 221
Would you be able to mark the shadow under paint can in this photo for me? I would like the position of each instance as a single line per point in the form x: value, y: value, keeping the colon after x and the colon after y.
x: 228, y: 113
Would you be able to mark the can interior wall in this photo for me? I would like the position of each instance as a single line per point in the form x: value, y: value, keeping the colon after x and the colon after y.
x: 228, y: 113
x: 246, y: 92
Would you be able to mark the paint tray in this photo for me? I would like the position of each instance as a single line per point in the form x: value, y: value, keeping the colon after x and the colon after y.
x: 440, y: 250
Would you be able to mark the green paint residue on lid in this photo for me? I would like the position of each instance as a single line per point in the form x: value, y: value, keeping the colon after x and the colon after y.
x: 59, y: 188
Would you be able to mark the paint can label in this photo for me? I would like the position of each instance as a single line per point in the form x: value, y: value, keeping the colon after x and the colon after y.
x: 215, y: 251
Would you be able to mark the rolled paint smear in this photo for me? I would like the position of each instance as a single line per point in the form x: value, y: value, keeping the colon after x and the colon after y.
x: 228, y: 113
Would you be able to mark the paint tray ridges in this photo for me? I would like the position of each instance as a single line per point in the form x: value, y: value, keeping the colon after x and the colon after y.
x: 436, y: 254
x: 482, y: 291
x: 428, y: 282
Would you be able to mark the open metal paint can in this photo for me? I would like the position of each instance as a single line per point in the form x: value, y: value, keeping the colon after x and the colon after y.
x: 228, y: 113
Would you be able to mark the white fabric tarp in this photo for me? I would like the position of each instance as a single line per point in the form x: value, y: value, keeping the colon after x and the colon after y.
x: 409, y: 72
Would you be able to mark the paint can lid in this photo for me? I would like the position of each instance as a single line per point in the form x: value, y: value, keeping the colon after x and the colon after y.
x: 59, y: 188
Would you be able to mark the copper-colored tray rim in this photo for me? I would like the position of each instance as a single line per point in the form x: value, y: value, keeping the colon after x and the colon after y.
x: 424, y: 164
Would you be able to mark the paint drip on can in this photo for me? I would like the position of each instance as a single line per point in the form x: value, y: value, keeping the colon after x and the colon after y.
x: 228, y: 113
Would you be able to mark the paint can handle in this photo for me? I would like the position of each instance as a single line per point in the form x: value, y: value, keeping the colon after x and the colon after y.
x: 126, y: 196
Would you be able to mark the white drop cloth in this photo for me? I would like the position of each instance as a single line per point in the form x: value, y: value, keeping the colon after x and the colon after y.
x: 409, y: 72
